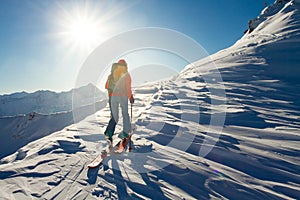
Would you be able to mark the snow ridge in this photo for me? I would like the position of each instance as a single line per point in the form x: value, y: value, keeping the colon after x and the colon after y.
x: 279, y: 7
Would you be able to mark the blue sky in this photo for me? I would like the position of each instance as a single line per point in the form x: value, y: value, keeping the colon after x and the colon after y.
x: 41, y: 48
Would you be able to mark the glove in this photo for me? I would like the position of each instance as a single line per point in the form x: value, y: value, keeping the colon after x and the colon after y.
x: 131, y: 99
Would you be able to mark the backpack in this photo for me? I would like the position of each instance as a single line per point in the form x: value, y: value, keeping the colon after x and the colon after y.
x: 114, y: 79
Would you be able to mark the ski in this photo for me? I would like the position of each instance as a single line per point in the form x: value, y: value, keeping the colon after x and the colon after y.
x: 98, y: 160
x: 104, y: 153
x: 122, y: 145
x: 118, y: 148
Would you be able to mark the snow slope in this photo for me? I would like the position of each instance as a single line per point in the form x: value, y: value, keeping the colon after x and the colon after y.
x: 256, y: 156
x: 17, y: 131
x: 26, y: 124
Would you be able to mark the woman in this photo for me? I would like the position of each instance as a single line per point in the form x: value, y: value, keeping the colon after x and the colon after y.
x: 118, y: 85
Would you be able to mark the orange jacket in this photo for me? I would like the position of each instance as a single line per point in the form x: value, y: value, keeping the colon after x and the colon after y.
x: 124, y: 87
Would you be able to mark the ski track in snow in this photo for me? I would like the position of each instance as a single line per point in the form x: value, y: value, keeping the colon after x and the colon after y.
x: 255, y: 157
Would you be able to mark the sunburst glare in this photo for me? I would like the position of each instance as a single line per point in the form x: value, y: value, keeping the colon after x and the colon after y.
x: 83, y: 27
x: 83, y: 31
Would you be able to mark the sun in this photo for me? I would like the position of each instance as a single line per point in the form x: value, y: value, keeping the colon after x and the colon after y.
x: 83, y: 32
x: 81, y: 26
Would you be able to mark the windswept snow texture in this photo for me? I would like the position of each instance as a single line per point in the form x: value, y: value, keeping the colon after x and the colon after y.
x: 256, y: 156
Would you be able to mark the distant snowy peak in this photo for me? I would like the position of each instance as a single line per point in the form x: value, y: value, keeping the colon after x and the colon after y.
x: 281, y: 17
x: 46, y: 102
x: 16, y: 95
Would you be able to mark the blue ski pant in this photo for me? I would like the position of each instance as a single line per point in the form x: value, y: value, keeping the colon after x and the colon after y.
x: 114, y: 103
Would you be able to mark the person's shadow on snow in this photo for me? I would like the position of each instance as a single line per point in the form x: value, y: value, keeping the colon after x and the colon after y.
x: 92, y: 175
x: 150, y: 189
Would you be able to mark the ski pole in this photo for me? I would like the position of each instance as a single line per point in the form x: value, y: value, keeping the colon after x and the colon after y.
x: 129, y: 148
